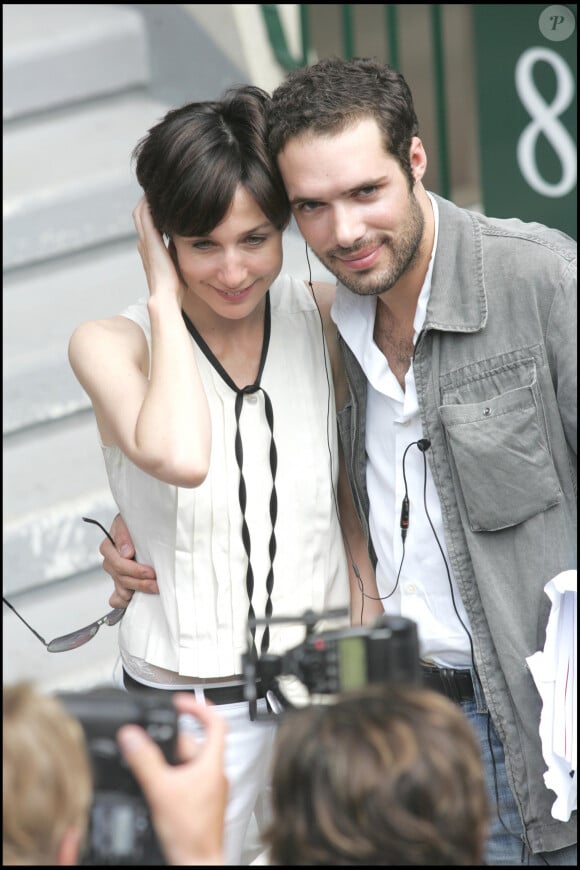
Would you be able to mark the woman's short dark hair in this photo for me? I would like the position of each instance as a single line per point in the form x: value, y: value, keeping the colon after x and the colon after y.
x: 191, y: 163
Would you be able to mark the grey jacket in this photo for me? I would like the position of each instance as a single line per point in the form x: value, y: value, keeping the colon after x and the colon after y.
x: 495, y: 370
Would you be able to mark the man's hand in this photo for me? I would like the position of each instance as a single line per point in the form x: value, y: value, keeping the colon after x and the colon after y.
x: 119, y: 562
x: 188, y: 800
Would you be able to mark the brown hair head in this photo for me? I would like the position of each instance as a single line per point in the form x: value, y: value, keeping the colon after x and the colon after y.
x: 191, y: 163
x: 329, y: 96
x: 388, y: 775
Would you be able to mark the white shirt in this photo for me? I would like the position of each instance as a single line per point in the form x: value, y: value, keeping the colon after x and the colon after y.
x: 197, y: 625
x: 423, y: 591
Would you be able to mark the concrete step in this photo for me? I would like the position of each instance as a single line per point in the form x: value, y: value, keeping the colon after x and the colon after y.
x: 50, y: 483
x: 42, y: 306
x: 61, y: 53
x: 77, y: 190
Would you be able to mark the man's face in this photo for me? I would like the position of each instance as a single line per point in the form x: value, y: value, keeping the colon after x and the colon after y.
x: 352, y: 203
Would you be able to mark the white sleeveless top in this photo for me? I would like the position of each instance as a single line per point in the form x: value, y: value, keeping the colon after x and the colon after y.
x: 197, y: 625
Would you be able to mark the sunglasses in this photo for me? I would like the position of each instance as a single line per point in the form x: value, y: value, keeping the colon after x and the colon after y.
x: 81, y: 635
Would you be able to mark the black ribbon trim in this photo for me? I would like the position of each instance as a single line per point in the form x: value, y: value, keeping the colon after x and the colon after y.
x: 239, y: 453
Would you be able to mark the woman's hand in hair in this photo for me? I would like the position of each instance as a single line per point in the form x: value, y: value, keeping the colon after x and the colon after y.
x: 159, y: 260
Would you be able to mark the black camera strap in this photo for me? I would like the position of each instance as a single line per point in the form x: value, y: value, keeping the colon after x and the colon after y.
x: 239, y: 451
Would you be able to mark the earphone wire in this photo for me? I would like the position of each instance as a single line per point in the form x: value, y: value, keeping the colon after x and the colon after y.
x: 328, y: 404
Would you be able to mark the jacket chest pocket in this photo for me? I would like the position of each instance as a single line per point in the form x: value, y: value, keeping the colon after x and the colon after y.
x: 499, y: 447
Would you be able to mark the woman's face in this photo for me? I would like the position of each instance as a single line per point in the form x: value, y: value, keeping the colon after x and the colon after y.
x: 232, y: 267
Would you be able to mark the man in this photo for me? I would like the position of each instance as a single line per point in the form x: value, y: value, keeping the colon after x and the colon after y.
x: 387, y: 774
x: 459, y: 334
x: 47, y: 782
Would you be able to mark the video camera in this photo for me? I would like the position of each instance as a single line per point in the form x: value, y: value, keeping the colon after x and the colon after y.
x: 327, y: 663
x: 333, y: 661
x: 120, y: 828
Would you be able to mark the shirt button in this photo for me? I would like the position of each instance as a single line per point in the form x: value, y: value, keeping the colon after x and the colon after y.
x: 410, y: 588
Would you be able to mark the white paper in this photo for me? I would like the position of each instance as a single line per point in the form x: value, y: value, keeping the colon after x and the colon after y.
x: 554, y: 672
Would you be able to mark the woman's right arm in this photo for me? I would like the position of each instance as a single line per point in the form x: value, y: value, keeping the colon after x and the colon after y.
x: 156, y: 413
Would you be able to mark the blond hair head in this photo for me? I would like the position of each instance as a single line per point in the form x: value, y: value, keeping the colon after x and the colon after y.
x: 47, y: 788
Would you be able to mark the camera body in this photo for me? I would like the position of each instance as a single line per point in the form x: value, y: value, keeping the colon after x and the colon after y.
x: 334, y: 661
x: 120, y: 829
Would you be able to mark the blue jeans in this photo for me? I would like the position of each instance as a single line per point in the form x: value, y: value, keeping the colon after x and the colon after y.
x: 505, y: 844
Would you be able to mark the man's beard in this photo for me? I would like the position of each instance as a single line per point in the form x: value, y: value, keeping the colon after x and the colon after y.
x: 402, y: 255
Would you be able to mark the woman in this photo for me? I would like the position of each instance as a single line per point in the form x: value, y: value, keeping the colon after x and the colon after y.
x: 216, y: 416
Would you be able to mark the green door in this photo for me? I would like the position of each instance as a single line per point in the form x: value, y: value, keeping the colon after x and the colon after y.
x: 526, y: 87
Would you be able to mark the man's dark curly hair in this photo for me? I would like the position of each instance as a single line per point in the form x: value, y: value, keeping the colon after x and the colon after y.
x: 330, y: 95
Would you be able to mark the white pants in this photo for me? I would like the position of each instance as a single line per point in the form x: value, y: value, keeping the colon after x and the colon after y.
x: 248, y: 759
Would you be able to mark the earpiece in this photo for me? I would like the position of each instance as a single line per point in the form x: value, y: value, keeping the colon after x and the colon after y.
x: 404, y: 517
